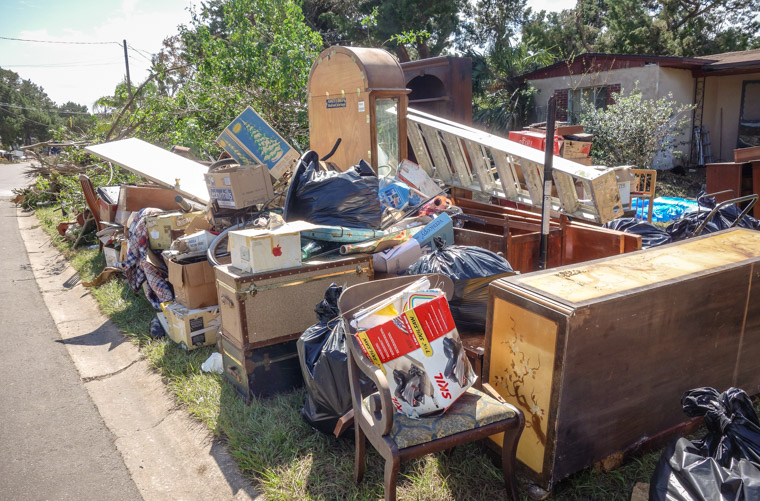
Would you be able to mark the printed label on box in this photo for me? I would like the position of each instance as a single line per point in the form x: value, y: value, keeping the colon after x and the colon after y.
x: 223, y: 197
x: 196, y: 324
x: 198, y: 339
x: 361, y: 106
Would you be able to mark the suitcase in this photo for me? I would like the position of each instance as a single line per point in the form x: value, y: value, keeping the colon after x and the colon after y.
x: 262, y: 371
x: 258, y: 308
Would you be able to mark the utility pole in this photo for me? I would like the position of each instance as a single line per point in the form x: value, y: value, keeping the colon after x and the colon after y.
x: 126, y: 62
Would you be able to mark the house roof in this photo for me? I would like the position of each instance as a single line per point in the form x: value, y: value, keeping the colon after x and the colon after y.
x: 738, y: 59
x: 594, y: 61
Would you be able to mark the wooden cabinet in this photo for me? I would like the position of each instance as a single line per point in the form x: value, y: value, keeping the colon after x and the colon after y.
x: 358, y: 95
x: 598, y: 354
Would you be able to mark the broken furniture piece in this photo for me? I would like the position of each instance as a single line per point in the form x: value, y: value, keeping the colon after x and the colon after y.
x: 468, y: 158
x: 643, y: 186
x: 598, y: 354
x: 157, y: 164
x: 358, y: 96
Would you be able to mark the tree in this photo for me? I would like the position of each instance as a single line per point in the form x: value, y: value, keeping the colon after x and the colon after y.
x: 634, y: 130
x: 654, y: 27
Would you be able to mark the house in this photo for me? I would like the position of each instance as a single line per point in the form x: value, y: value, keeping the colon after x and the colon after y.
x: 725, y: 89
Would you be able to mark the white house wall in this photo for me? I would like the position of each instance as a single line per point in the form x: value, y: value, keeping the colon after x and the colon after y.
x: 653, y: 81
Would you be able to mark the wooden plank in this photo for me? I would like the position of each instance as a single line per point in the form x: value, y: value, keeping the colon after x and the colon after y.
x: 568, y: 196
x: 534, y: 180
x: 157, y: 164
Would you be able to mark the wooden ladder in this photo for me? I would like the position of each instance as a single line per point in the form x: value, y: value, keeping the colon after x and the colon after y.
x: 469, y: 158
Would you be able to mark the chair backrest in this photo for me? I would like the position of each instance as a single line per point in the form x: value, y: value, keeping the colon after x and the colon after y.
x: 91, y: 197
x: 644, y: 181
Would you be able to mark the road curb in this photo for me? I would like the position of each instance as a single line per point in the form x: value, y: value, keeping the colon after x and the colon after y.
x: 169, y: 454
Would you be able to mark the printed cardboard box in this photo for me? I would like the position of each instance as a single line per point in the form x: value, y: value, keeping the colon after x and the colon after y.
x: 258, y: 251
x: 240, y: 186
x: 250, y: 140
x: 535, y: 140
x: 422, y: 356
x: 160, y: 227
x: 192, y: 328
x: 441, y: 226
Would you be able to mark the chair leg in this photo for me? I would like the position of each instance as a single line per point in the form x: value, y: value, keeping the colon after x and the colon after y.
x: 391, y: 475
x: 508, y: 453
x: 359, y: 457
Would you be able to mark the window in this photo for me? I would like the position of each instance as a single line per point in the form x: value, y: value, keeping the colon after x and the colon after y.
x: 577, y: 98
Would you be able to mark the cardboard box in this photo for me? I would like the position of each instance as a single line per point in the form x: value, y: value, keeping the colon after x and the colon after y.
x: 160, y: 227
x: 238, y: 187
x: 257, y: 251
x: 134, y: 198
x: 422, y: 356
x: 250, y: 140
x: 192, y: 328
x: 575, y: 149
x: 441, y: 226
x: 535, y: 140
x: 194, y: 242
x: 194, y: 284
x: 397, y: 259
x: 414, y: 175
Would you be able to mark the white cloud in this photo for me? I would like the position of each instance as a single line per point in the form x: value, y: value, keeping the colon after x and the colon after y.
x: 84, y: 73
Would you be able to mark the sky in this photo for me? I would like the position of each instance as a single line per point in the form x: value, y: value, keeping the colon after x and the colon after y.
x: 84, y: 72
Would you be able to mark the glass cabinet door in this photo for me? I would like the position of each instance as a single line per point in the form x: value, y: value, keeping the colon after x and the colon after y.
x: 387, y: 154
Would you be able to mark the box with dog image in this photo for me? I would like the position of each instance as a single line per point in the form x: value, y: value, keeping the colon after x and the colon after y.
x: 420, y: 352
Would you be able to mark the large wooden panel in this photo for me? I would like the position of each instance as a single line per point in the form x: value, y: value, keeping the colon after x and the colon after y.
x: 521, y: 368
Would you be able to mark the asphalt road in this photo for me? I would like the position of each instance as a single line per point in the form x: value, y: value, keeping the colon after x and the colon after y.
x: 53, y: 442
x: 12, y: 176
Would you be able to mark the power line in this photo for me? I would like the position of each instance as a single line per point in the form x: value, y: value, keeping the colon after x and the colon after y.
x: 26, y: 118
x: 56, y: 41
x: 58, y: 65
x: 49, y: 110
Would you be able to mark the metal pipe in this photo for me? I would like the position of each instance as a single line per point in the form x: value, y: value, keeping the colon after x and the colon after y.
x: 546, y: 204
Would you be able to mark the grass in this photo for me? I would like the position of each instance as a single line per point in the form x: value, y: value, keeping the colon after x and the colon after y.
x: 283, y: 456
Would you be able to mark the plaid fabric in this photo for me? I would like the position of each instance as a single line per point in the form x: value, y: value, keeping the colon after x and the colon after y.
x: 138, y: 271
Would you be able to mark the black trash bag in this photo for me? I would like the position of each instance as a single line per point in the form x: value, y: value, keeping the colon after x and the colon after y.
x: 323, y: 355
x: 472, y: 269
x: 722, y: 466
x: 332, y: 198
x: 651, y: 235
x: 685, y: 226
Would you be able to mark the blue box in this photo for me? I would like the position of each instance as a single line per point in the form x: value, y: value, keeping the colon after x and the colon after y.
x: 250, y: 140
x: 441, y: 226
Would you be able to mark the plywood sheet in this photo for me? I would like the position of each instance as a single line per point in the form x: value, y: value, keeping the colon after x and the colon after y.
x: 630, y: 271
x: 157, y: 164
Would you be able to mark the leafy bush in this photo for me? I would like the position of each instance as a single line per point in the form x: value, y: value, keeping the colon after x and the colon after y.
x: 634, y: 130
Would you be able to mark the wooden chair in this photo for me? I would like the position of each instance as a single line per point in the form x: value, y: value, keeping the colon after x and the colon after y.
x: 92, y: 202
x: 643, y: 187
x: 474, y: 416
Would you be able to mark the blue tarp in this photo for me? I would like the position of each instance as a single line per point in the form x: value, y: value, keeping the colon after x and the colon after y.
x: 665, y: 208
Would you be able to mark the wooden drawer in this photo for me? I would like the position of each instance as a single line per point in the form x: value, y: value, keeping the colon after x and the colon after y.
x: 598, y: 355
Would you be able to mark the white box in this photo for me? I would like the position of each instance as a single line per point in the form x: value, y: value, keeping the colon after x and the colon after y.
x: 258, y: 251
x: 397, y: 259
